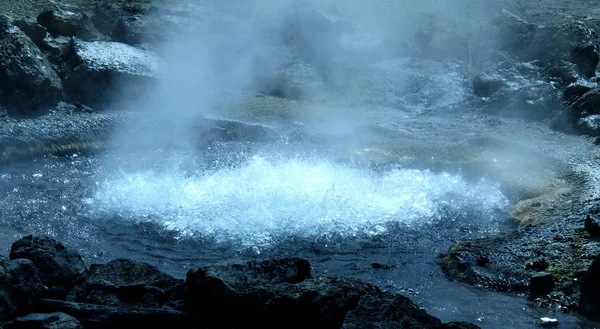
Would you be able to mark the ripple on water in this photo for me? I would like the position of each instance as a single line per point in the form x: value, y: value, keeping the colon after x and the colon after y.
x: 271, y: 198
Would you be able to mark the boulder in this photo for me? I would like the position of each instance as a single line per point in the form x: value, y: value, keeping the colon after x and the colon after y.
x: 28, y: 84
x: 386, y: 310
x: 44, y: 321
x: 271, y: 294
x: 125, y: 282
x: 59, y: 52
x: 589, y: 301
x: 573, y: 42
x: 574, y: 91
x: 34, y: 31
x: 541, y: 283
x: 61, y: 22
x: 592, y: 221
x: 109, y: 70
x: 60, y: 266
x: 20, y: 286
x: 115, y: 317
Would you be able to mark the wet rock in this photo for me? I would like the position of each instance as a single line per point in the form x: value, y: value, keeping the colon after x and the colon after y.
x: 59, y: 265
x: 485, y: 85
x: 385, y: 310
x: 541, y: 283
x: 100, y: 316
x: 28, y: 84
x: 44, y: 321
x: 69, y: 24
x: 34, y: 31
x: 562, y: 72
x: 589, y: 102
x: 516, y: 89
x: 578, y: 44
x: 589, y: 301
x: 109, y: 71
x: 270, y: 294
x: 592, y: 221
x: 125, y: 282
x: 59, y: 52
x: 589, y: 125
x: 106, y: 14
x: 575, y: 91
x: 514, y: 34
x: 20, y: 286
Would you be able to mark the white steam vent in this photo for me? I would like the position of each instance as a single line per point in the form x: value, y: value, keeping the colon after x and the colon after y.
x: 266, y: 200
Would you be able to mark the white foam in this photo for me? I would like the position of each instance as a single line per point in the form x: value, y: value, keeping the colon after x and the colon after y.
x: 267, y: 199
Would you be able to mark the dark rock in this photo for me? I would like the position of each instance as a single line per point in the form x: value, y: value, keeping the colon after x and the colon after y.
x: 589, y: 125
x: 378, y: 266
x: 100, y: 316
x: 271, y: 294
x: 109, y: 71
x: 577, y: 43
x: 589, y: 301
x: 106, y: 14
x: 44, y: 321
x: 592, y: 221
x: 125, y: 282
x: 20, y: 286
x: 563, y: 72
x: 514, y: 34
x: 59, y: 52
x: 538, y: 265
x: 28, y: 84
x: 385, y: 310
x: 485, y: 85
x: 59, y: 265
x: 589, y: 102
x: 541, y: 283
x: 34, y: 31
x: 575, y: 91
x: 69, y: 24
x: 141, y: 29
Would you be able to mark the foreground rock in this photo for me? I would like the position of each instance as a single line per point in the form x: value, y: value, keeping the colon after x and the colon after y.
x: 20, y: 287
x: 590, y: 289
x: 28, y: 84
x: 125, y: 293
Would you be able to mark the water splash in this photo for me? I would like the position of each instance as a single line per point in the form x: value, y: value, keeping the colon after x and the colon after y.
x: 269, y: 198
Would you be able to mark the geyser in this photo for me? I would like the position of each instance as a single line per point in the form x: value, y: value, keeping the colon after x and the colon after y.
x: 270, y: 198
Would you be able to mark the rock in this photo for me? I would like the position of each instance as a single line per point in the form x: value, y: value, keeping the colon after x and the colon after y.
x: 578, y: 44
x: 100, y: 316
x: 44, y: 321
x: 59, y: 52
x: 109, y: 71
x: 125, y: 282
x: 575, y: 91
x: 589, y: 125
x: 20, y: 286
x: 592, y: 221
x: 106, y: 14
x: 589, y: 102
x: 385, y: 310
x: 541, y: 283
x: 516, y: 89
x: 589, y: 301
x: 572, y: 42
x: 271, y: 294
x: 70, y: 24
x: 485, y: 85
x: 34, y: 31
x: 562, y: 72
x: 548, y: 322
x: 459, y: 325
x: 59, y: 265
x: 28, y: 84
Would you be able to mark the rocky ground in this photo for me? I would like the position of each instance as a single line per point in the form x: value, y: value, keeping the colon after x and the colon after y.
x: 69, y: 58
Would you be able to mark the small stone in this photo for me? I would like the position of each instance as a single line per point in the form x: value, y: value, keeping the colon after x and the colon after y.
x: 548, y: 322
x: 592, y: 224
x: 378, y: 266
x: 541, y: 283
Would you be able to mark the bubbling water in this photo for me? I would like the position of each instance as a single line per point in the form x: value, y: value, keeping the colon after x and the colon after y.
x: 267, y: 199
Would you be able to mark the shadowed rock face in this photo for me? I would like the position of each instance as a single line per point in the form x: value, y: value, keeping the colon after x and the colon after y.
x: 28, y: 84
